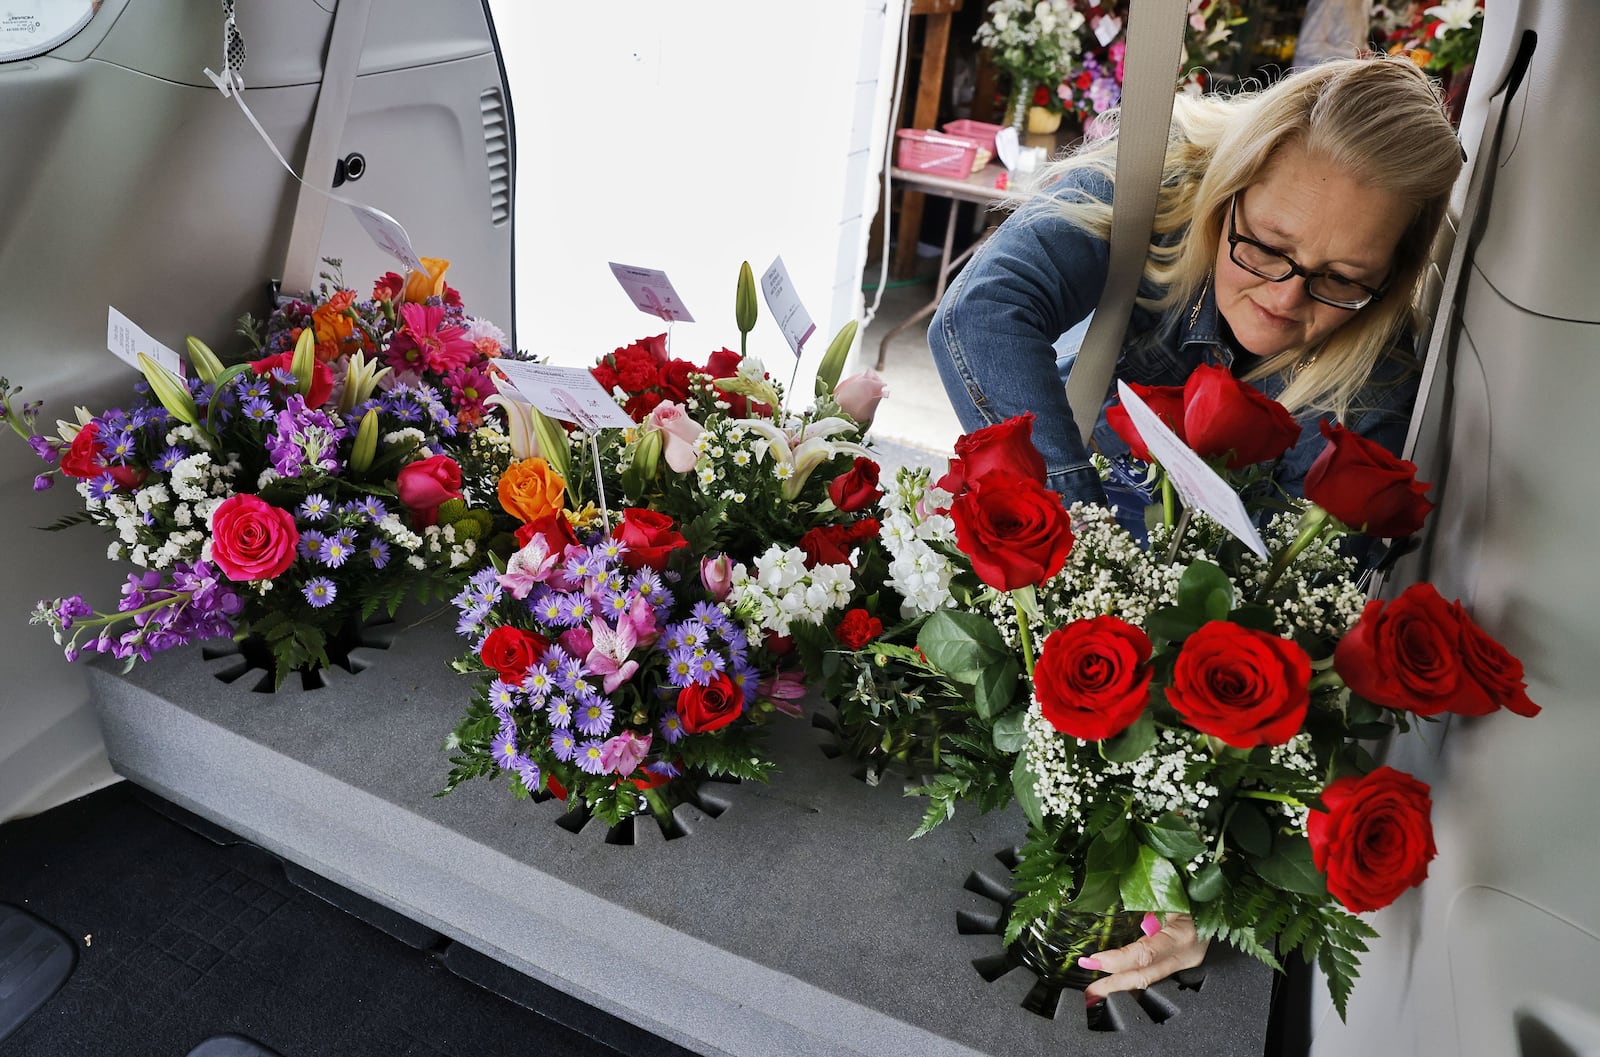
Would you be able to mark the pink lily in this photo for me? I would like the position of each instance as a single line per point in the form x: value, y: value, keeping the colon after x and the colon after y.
x: 784, y: 689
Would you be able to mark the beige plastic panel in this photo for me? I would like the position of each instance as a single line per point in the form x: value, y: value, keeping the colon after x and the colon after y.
x: 1509, y: 920
x: 123, y: 186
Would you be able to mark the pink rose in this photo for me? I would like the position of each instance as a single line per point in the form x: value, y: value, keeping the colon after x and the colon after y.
x: 425, y: 484
x: 716, y: 576
x: 251, y: 539
x: 860, y: 394
x: 678, y: 432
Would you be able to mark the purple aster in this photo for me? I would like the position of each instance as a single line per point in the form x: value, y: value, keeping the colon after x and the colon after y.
x: 485, y: 586
x: 378, y: 552
x: 575, y: 610
x: 504, y: 747
x: 707, y: 665
x: 663, y: 768
x: 102, y: 486
x: 594, y: 718
x: 470, y: 624
x: 681, y: 666
x: 170, y: 458
x: 502, y: 697
x: 258, y: 409
x: 615, y: 603
x: 691, y: 633
x: 745, y: 678
x: 570, y: 673
x: 315, y: 507
x: 537, y: 683
x: 579, y: 567
x: 709, y: 614
x: 337, y: 548
x: 253, y: 387
x: 310, y: 543
x: 560, y: 712
x: 528, y: 774
x: 118, y: 447
x: 546, y: 607
x: 320, y: 592
x: 671, y: 728
x: 403, y: 406
x: 589, y: 753
x: 647, y: 582
x: 373, y: 507
x: 564, y: 745
x: 284, y: 377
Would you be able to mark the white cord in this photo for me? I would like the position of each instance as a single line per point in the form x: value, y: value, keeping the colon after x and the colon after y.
x: 888, y: 163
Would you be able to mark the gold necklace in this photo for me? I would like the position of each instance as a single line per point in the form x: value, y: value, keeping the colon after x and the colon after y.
x: 1194, y: 313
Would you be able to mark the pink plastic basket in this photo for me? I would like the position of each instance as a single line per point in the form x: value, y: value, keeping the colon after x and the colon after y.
x: 980, y: 132
x: 936, y: 153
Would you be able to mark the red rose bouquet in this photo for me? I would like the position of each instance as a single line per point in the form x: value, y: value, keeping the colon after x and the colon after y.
x: 283, y: 498
x: 1181, y: 721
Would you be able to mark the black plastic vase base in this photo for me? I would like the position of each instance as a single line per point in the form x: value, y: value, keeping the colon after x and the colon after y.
x: 35, y: 960
x: 254, y: 667
x: 1059, y: 994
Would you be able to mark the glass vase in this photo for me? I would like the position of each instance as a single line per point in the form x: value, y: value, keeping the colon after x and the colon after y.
x: 1017, y: 103
x: 1051, y: 946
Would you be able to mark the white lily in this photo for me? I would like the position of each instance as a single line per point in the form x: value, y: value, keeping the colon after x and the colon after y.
x: 519, y: 423
x: 360, y: 381
x: 68, y: 430
x: 1455, y: 14
x: 803, y: 452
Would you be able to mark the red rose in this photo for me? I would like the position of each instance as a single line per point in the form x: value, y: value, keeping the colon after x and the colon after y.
x: 1375, y: 840
x: 832, y: 544
x: 650, y: 537
x: 724, y: 363
x: 85, y: 459
x: 1013, y: 528
x: 426, y: 483
x: 1005, y: 446
x: 856, y: 487
x: 321, y: 377
x: 1092, y: 678
x: 1493, y: 667
x: 1359, y: 482
x: 512, y: 652
x: 558, y: 534
x: 1224, y: 416
x: 1244, y: 686
x: 1404, y: 654
x: 675, y: 379
x: 251, y: 539
x: 857, y: 629
x: 702, y: 709
x: 1165, y: 400
x: 1084, y: 80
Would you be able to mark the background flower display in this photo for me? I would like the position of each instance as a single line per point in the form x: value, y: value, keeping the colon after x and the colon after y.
x: 1033, y: 43
x: 1441, y: 38
x: 283, y: 497
x: 1184, y: 724
x: 608, y: 660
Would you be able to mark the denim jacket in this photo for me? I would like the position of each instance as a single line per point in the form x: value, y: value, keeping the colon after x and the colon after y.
x: 1006, y: 332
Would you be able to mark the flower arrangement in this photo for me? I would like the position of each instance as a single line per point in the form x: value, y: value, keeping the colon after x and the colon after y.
x: 608, y: 660
x: 1441, y: 38
x: 1030, y: 41
x: 1182, y: 721
x: 283, y: 497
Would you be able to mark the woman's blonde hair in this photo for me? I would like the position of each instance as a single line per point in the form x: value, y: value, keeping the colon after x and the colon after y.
x: 1378, y: 119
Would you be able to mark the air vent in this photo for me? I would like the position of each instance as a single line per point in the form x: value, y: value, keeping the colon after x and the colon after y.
x: 497, y: 147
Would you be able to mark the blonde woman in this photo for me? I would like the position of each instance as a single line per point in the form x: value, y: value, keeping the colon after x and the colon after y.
x: 1292, y: 231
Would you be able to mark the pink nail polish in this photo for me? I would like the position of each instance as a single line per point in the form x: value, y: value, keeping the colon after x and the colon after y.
x: 1089, y: 1001
x: 1089, y: 963
x: 1150, y: 925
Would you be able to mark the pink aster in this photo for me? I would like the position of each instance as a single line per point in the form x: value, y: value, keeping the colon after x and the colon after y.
x: 424, y: 342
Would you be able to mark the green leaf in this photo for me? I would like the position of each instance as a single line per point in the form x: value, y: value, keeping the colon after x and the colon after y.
x: 1022, y: 781
x: 1196, y: 588
x: 1248, y: 828
x: 1113, y: 851
x: 1256, y: 618
x: 1290, y: 867
x: 1218, y: 603
x: 1134, y: 742
x: 1172, y: 837
x: 996, y: 687
x: 1009, y: 736
x: 1154, y: 884
x: 961, y: 644
x: 1208, y: 884
x: 1173, y: 625
x: 1098, y: 892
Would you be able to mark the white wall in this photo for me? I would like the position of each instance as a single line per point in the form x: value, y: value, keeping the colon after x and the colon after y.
x: 689, y: 138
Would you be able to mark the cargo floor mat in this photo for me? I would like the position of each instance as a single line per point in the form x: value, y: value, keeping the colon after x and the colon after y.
x: 180, y: 941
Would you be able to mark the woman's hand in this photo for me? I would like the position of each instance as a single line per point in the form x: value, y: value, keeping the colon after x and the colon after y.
x: 1160, y: 952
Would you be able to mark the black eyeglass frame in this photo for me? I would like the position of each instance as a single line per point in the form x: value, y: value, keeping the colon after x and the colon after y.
x: 1234, y: 238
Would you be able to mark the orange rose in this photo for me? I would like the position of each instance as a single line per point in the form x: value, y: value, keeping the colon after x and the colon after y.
x: 422, y: 285
x: 530, y: 490
x: 333, y: 327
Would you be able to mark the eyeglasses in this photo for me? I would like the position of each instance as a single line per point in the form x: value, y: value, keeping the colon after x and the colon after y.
x: 1259, y: 259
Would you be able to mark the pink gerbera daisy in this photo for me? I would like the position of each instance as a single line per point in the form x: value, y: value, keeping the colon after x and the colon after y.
x: 425, y: 343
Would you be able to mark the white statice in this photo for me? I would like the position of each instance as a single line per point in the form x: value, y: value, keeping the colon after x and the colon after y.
x: 1071, y: 777
x: 783, y: 592
x: 395, y: 531
x: 917, y: 536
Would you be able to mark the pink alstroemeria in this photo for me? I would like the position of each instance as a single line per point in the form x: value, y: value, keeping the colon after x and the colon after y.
x: 642, y: 616
x: 784, y: 689
x: 533, y: 564
x: 621, y: 754
x: 425, y: 342
x: 609, y: 655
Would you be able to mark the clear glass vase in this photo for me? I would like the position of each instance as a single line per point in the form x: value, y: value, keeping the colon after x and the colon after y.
x: 1052, y: 945
x: 1017, y: 103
